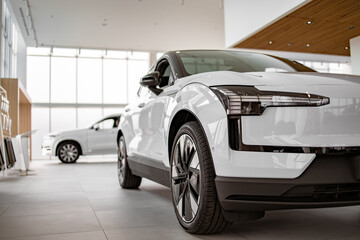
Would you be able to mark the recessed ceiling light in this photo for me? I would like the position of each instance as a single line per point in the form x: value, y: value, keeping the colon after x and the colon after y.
x: 309, y: 22
x: 270, y: 42
x: 346, y: 48
x: 351, y: 27
x: 308, y: 45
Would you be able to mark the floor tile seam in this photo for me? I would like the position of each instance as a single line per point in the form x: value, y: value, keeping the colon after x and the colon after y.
x: 112, y: 210
x: 18, y: 196
x: 93, y: 210
x: 51, y: 214
x: 238, y: 234
x: 148, y: 226
x: 97, y: 218
x: 46, y: 193
x: 47, y: 234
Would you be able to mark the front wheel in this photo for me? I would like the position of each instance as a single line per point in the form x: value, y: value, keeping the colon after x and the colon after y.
x: 68, y: 152
x: 192, y: 182
x: 126, y: 179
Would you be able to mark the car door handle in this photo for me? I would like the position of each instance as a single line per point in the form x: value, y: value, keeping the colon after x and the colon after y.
x: 127, y: 109
x: 141, y: 105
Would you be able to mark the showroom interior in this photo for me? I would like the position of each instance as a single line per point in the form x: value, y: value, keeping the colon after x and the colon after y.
x: 69, y: 65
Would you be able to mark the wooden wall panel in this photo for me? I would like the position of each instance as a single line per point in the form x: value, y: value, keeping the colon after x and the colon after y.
x: 20, y: 107
x: 334, y: 23
x: 12, y: 88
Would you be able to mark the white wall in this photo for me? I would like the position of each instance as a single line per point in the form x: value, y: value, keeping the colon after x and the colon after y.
x: 21, y: 59
x: 355, y: 55
x: 21, y: 49
x: 246, y: 17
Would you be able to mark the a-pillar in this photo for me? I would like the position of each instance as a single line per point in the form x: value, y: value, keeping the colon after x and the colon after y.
x: 355, y: 55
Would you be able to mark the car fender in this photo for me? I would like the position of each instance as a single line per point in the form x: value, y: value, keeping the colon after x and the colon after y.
x: 126, y: 127
x: 67, y: 138
x: 210, y: 113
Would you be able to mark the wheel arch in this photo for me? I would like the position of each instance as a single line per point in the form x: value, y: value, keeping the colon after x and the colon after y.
x: 70, y: 141
x: 180, y: 118
x: 119, y: 134
x: 197, y: 102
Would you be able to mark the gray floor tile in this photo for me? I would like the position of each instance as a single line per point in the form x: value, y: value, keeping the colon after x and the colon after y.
x: 3, y: 207
x: 131, y: 199
x: 54, y: 187
x: 52, y: 197
x: 48, y: 224
x: 168, y: 232
x: 333, y: 223
x: 47, y: 208
x: 78, y: 201
x: 98, y: 235
x: 8, y: 197
x: 136, y: 217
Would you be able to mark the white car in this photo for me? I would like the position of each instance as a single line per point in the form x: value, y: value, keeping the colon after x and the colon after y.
x: 100, y: 138
x: 234, y: 134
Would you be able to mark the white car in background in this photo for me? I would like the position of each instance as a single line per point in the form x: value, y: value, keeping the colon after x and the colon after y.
x: 98, y: 139
x: 234, y: 134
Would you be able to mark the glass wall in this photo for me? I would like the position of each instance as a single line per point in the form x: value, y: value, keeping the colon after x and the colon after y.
x: 9, y: 38
x: 328, y: 67
x: 73, y: 88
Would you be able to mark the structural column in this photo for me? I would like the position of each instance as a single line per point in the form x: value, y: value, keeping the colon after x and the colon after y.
x: 355, y: 55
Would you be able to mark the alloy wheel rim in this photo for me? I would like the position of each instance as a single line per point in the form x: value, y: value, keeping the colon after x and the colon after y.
x: 121, y: 160
x: 68, y: 152
x: 186, y: 178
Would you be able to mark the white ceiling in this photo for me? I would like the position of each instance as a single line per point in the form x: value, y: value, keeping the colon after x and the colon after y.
x: 156, y: 25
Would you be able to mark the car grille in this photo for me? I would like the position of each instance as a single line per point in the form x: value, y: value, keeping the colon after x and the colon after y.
x: 311, y: 193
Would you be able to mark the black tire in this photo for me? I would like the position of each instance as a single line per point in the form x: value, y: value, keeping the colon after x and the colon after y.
x: 68, y: 152
x: 192, y: 182
x: 126, y: 179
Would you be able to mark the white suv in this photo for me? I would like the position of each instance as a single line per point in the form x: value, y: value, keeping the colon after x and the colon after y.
x: 234, y: 134
x: 99, y: 138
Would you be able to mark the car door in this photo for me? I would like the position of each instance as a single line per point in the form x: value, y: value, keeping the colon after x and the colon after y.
x: 152, y: 117
x: 101, y: 138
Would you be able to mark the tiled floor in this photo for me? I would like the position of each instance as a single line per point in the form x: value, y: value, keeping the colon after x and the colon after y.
x: 84, y: 201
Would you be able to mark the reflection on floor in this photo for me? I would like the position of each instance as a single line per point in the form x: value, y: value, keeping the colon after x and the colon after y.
x: 84, y: 201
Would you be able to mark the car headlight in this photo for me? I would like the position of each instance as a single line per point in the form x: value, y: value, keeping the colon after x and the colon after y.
x: 50, y: 136
x: 248, y: 100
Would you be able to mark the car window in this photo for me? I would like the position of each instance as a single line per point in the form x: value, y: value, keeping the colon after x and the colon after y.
x: 107, y: 124
x: 166, y: 76
x: 208, y: 61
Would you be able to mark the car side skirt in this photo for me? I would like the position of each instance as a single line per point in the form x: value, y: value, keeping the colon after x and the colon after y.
x: 150, y: 169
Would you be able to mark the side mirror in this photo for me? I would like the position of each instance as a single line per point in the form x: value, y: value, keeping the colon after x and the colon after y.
x: 96, y: 127
x: 151, y: 81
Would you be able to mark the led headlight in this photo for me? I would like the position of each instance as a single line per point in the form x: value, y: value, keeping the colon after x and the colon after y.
x: 248, y: 100
x: 50, y: 136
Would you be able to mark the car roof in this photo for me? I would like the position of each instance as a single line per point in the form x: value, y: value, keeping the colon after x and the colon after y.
x: 112, y: 116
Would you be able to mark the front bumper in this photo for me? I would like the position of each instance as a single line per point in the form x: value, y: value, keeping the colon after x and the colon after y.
x: 329, y: 181
x: 47, y: 147
x: 46, y: 150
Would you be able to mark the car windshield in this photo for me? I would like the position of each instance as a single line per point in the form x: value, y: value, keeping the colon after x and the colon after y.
x: 208, y: 61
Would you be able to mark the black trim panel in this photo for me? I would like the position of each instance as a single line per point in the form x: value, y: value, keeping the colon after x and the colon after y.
x: 150, y: 169
x: 328, y: 181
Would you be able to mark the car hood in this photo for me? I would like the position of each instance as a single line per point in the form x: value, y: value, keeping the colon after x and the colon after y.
x: 69, y: 132
x: 272, y: 78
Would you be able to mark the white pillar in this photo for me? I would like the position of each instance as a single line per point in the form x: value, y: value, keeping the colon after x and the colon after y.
x: 1, y: 32
x: 355, y: 55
